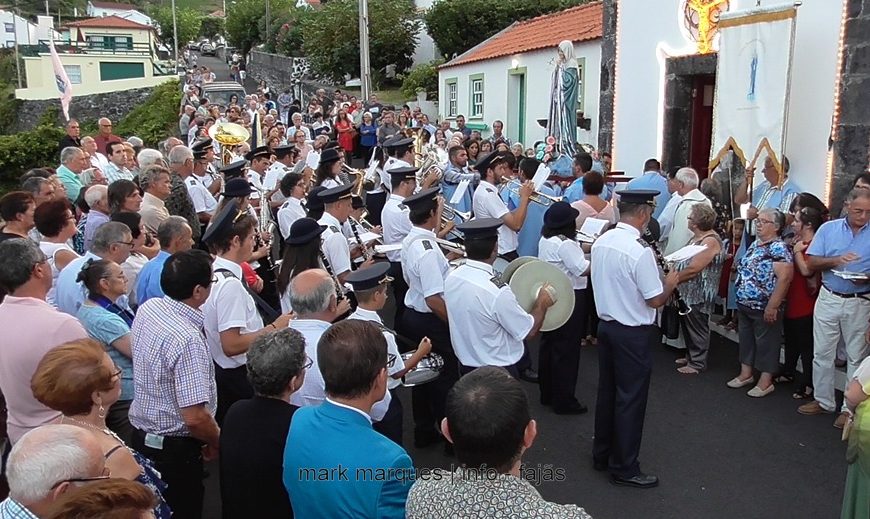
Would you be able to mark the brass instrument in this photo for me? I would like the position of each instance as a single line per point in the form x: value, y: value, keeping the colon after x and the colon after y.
x: 360, y: 182
x: 428, y: 158
x: 450, y: 246
x: 513, y: 186
x: 265, y: 224
x: 228, y: 135
x: 451, y: 214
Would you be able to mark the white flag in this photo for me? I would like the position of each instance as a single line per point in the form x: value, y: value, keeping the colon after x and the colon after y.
x: 64, y: 86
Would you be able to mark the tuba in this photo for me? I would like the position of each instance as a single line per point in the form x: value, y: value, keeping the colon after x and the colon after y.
x: 228, y: 135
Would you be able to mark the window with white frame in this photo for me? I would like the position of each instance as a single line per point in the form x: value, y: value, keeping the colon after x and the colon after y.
x: 74, y: 72
x: 452, y: 99
x: 476, y: 108
x: 10, y: 27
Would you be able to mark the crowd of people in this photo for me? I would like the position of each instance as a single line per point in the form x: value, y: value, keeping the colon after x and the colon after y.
x: 180, y: 309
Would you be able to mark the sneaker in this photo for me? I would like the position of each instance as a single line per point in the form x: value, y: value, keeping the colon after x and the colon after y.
x: 841, y: 420
x: 813, y: 408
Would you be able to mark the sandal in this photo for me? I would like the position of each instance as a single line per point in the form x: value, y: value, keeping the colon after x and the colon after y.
x: 688, y: 370
x: 807, y: 393
x: 784, y: 379
x: 731, y: 326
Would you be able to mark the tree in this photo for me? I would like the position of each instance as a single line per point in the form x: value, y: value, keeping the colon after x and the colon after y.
x: 458, y: 25
x: 187, y: 20
x: 287, y: 32
x: 423, y: 77
x: 246, y: 21
x: 211, y: 26
x: 331, y: 37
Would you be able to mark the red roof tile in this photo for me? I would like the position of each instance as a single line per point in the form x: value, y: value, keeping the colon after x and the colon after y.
x: 114, y: 5
x: 112, y: 22
x: 580, y: 23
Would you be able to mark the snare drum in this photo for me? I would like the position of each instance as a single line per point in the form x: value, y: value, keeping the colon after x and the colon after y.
x: 428, y: 369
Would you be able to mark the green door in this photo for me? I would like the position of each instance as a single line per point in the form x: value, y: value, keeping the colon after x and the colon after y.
x: 521, y: 116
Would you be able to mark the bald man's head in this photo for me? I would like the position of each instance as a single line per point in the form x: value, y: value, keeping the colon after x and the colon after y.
x: 312, y: 292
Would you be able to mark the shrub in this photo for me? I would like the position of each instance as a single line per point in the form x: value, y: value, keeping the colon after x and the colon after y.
x: 156, y: 118
x: 26, y: 150
x: 423, y: 77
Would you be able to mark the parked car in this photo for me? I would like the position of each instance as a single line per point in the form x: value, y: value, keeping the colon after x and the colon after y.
x: 193, y: 45
x: 219, y: 92
x: 206, y: 49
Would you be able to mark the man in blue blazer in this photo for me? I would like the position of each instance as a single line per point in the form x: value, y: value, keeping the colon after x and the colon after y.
x: 335, y: 464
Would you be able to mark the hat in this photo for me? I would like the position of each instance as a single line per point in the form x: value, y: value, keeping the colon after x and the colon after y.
x: 234, y: 169
x: 314, y: 202
x: 423, y: 197
x: 335, y: 194
x: 283, y: 150
x: 404, y: 173
x: 369, y: 277
x: 487, y: 161
x: 258, y: 152
x: 397, y: 140
x: 331, y: 144
x: 480, y: 228
x: 202, y: 145
x: 199, y: 155
x: 304, y: 230
x: 638, y: 196
x: 237, y: 188
x: 358, y: 202
x: 222, y: 221
x: 559, y: 215
x: 329, y: 156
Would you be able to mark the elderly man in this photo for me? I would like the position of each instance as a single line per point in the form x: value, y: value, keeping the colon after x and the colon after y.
x: 41, y: 188
x: 104, y: 136
x: 174, y: 235
x: 298, y: 126
x: 95, y: 156
x: 179, y: 202
x: 25, y: 272
x: 181, y: 160
x: 768, y: 194
x: 47, y: 463
x: 97, y: 198
x: 117, y: 167
x: 843, y: 307
x: 687, y: 187
x: 72, y: 163
x: 149, y: 157
x: 156, y: 183
x: 184, y: 121
x: 72, y: 137
x: 113, y: 241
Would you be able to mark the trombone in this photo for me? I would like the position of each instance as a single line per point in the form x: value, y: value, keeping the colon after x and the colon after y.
x: 513, y: 186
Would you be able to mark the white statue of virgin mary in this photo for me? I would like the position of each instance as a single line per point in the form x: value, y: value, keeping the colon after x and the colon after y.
x: 564, y: 91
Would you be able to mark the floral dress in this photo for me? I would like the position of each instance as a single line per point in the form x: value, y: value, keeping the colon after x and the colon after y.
x: 756, y: 279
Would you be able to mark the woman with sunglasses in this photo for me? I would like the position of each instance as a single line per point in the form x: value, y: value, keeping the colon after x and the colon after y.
x: 80, y: 380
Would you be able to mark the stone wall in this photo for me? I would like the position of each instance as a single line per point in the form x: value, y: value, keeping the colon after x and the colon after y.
x: 114, y: 105
x: 282, y: 72
x: 852, y: 144
x: 608, y: 76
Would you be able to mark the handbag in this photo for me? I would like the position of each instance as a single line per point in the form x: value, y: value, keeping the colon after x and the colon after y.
x: 670, y: 322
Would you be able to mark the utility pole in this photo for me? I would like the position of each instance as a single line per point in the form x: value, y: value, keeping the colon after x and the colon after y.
x: 15, y: 29
x: 47, y: 13
x: 365, y: 76
x: 268, y: 19
x: 174, y: 37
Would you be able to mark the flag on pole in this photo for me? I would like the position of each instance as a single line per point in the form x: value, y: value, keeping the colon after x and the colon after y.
x: 256, y: 132
x: 64, y: 86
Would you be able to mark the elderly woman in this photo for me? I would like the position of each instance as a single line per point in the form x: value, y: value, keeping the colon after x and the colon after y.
x: 763, y: 276
x: 857, y: 494
x: 124, y: 195
x: 144, y: 248
x: 254, y: 432
x: 56, y: 223
x: 110, y: 324
x: 699, y: 286
x: 80, y: 380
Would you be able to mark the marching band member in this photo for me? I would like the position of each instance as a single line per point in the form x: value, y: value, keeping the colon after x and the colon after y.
x: 530, y: 233
x: 488, y: 204
x: 377, y: 197
x: 397, y: 225
x: 235, y: 169
x: 425, y: 268
x: 401, y: 154
x: 370, y: 289
x: 283, y: 164
x: 487, y: 324
x: 313, y: 203
x: 559, y: 356
x: 259, y: 160
x: 204, y: 202
x: 302, y: 252
x: 327, y: 171
x: 457, y: 171
x: 293, y: 189
x: 627, y: 293
x: 336, y: 251
x: 231, y: 318
x: 209, y: 175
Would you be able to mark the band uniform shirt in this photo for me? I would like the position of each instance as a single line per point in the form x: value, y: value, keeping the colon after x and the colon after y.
x: 393, y: 163
x: 172, y: 367
x: 290, y: 211
x: 256, y: 181
x: 396, y: 224
x: 631, y: 276
x: 330, y: 183
x: 424, y: 268
x: 362, y: 314
x: 567, y: 255
x: 487, y: 324
x: 487, y: 203
x: 203, y: 202
x: 229, y: 305
x: 272, y: 180
x: 334, y: 245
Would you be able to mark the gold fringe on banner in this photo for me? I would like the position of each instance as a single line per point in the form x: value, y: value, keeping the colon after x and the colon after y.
x: 758, y: 18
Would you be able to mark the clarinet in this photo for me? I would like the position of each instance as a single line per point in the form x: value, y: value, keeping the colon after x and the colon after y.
x: 339, y: 293
x: 367, y: 253
x: 682, y: 307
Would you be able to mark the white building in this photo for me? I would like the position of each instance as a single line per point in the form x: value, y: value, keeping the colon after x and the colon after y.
x: 650, y: 35
x: 508, y: 77
x: 25, y: 32
x: 125, y: 11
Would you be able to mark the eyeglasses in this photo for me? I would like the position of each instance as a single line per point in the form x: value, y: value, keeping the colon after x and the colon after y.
x: 391, y: 360
x: 859, y: 212
x: 308, y: 362
x: 128, y: 243
x: 117, y: 374
x: 106, y: 474
x: 762, y: 220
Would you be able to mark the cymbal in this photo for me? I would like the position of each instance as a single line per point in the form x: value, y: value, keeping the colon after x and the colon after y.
x: 527, y: 281
x: 514, y: 265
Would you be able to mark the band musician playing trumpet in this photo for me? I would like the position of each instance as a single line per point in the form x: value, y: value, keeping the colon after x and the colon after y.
x: 488, y: 204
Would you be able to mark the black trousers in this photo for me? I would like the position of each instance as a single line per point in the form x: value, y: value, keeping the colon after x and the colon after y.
x: 391, y: 425
x: 374, y: 205
x: 428, y: 400
x: 559, y: 357
x: 799, y: 344
x: 624, y: 369
x: 232, y: 386
x: 181, y: 466
x: 592, y: 312
x: 118, y: 420
x: 400, y: 288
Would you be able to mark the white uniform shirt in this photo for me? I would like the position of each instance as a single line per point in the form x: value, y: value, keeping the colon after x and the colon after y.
x: 290, y: 211
x: 487, y: 324
x: 334, y: 245
x: 486, y: 203
x: 630, y: 276
x: 330, y: 183
x: 229, y: 305
x: 393, y: 163
x: 256, y: 181
x: 392, y: 348
x: 203, y: 201
x: 272, y: 180
x: 313, y: 390
x: 424, y: 267
x: 396, y: 224
x: 567, y: 255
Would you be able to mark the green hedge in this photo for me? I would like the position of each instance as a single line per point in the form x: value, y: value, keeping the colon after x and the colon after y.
x: 156, y: 118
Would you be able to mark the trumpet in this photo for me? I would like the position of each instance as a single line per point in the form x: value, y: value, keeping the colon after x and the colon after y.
x: 513, y: 186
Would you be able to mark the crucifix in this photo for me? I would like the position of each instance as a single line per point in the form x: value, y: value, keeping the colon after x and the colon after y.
x: 706, y: 9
